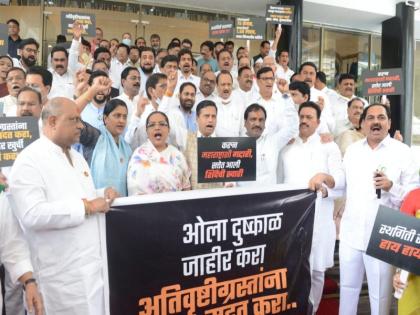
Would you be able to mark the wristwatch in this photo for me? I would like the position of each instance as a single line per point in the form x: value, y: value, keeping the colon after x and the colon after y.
x: 30, y: 280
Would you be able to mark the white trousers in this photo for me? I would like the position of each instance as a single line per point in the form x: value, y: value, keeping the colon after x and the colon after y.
x: 13, y: 299
x: 353, y: 264
x: 317, y: 287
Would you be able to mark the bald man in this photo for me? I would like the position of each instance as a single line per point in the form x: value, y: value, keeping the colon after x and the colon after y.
x: 53, y: 196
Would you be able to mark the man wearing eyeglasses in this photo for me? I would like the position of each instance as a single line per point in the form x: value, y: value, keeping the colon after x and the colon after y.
x: 62, y: 75
x: 15, y: 81
x: 273, y: 103
x: 28, y: 51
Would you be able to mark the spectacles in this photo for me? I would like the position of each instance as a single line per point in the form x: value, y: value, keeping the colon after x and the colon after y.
x: 160, y: 124
x: 30, y: 50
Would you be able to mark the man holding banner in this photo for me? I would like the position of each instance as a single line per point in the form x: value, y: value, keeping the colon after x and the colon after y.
x: 379, y: 171
x: 268, y: 145
x: 309, y: 162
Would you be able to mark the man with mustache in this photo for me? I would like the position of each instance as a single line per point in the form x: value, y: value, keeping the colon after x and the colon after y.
x: 28, y: 51
x: 185, y: 74
x: 245, y: 81
x: 93, y: 112
x: 130, y: 81
x: 54, y: 199
x: 147, y: 66
x: 206, y: 127
x: 62, y: 76
x: 183, y: 116
x: 377, y: 162
x: 274, y: 103
x: 346, y: 89
x: 29, y: 103
x: 206, y: 89
x: 268, y: 145
x: 15, y: 81
x: 307, y: 71
x: 352, y: 123
x: 230, y: 107
x: 225, y: 62
x: 310, y: 162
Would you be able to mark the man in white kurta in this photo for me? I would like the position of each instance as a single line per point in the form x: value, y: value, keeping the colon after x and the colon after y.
x: 230, y: 107
x: 53, y: 196
x: 376, y: 162
x: 269, y: 145
x: 14, y: 254
x: 309, y: 162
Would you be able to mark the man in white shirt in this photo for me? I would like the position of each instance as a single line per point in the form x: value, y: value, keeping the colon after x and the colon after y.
x: 29, y: 103
x: 185, y: 59
x: 268, y: 145
x: 130, y: 81
x: 206, y: 90
x: 118, y: 64
x: 28, y: 51
x: 147, y: 66
x: 41, y: 80
x: 54, y: 199
x: 283, y: 70
x: 376, y: 163
x: 159, y: 91
x: 346, y: 90
x: 354, y: 110
x: 15, y: 255
x: 15, y: 81
x: 230, y: 107
x: 183, y: 116
x: 62, y: 84
x: 273, y: 103
x: 321, y: 85
x: 225, y: 62
x: 245, y: 81
x: 308, y: 71
x: 309, y: 162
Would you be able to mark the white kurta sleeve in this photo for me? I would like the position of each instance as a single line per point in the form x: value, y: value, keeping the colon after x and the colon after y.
x: 408, y: 180
x: 14, y: 252
x: 28, y: 198
x: 290, y: 126
x: 74, y: 56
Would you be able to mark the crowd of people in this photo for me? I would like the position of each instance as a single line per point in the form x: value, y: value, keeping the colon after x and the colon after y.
x: 121, y: 117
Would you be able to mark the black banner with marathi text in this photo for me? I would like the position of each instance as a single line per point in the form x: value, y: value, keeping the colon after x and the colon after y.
x: 226, y: 159
x: 221, y: 251
x: 395, y: 239
x: 16, y: 133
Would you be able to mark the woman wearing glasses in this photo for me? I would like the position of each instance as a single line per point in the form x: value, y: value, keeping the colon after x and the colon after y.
x: 157, y: 166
